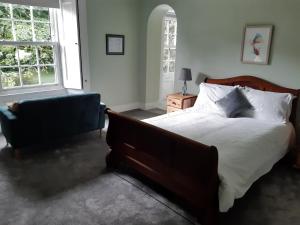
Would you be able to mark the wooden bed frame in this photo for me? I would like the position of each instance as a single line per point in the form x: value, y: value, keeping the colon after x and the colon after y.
x: 185, y: 167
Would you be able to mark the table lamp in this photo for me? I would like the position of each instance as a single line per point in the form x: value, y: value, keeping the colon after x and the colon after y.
x: 185, y: 75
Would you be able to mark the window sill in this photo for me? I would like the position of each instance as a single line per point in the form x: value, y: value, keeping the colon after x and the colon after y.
x: 30, y: 90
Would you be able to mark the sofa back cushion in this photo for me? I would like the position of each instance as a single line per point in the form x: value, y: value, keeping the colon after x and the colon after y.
x: 45, y: 119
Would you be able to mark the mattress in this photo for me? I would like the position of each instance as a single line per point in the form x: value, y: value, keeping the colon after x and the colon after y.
x: 248, y: 148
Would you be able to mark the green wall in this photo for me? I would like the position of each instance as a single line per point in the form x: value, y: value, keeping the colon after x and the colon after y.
x: 209, y: 41
x: 210, y: 34
x: 115, y: 77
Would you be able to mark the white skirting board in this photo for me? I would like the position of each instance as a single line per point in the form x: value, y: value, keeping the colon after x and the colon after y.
x: 151, y: 105
x: 125, y: 107
x: 135, y: 105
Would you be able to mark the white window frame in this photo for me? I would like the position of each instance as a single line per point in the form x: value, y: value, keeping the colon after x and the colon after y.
x: 167, y: 46
x: 56, y: 54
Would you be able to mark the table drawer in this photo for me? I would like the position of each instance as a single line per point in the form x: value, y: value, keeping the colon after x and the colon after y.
x: 172, y: 109
x: 177, y: 103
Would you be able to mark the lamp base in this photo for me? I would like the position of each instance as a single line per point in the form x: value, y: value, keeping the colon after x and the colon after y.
x: 184, y: 89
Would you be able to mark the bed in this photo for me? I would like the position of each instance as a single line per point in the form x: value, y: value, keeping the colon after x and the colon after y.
x: 199, y: 165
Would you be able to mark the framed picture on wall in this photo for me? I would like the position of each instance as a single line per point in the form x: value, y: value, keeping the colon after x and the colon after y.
x: 115, y: 44
x: 256, y: 44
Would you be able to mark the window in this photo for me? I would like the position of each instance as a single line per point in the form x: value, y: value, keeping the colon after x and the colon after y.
x: 169, y: 44
x: 28, y: 46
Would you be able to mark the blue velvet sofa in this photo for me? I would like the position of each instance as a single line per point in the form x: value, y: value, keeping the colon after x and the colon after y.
x: 43, y: 120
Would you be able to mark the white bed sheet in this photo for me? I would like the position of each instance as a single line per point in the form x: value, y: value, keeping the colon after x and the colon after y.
x: 248, y: 148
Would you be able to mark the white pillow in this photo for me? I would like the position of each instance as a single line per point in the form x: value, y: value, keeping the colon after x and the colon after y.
x: 270, y: 106
x: 209, y: 94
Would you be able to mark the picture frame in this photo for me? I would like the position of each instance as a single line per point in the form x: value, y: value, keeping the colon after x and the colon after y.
x: 256, y: 45
x: 115, y: 44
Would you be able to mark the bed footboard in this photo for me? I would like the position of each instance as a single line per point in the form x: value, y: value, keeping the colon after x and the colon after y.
x: 181, y: 165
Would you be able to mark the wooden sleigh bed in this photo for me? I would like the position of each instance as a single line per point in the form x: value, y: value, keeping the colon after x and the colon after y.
x: 185, y: 167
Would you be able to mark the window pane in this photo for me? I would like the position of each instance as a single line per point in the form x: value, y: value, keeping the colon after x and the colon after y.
x: 172, y: 67
x: 41, y: 14
x: 27, y: 55
x: 30, y: 75
x: 166, y: 54
x: 6, y: 31
x: 21, y: 12
x: 172, y: 27
x: 47, y: 74
x: 165, y: 27
x: 172, y: 54
x: 172, y: 41
x: 4, y: 11
x: 10, y: 77
x: 165, y: 67
x: 165, y: 40
x: 46, y: 54
x: 42, y: 31
x: 23, y: 31
x: 27, y: 64
x: 8, y: 55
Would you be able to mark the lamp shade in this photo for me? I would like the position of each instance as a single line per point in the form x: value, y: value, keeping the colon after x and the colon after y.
x: 186, y: 74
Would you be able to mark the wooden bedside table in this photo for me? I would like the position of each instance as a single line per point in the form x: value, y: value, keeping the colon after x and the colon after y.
x: 178, y: 101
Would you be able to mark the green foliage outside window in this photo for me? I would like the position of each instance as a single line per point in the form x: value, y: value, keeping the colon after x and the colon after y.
x: 42, y: 31
x: 40, y: 14
x: 25, y: 64
x: 4, y: 11
x: 46, y: 54
x: 30, y: 75
x: 47, y: 74
x: 21, y: 13
x: 27, y: 55
x: 8, y: 55
x: 6, y: 30
x: 23, y: 31
x: 10, y: 77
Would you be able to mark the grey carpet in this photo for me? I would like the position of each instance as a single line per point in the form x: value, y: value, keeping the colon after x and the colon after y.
x: 143, y: 114
x: 67, y: 183
x: 70, y: 185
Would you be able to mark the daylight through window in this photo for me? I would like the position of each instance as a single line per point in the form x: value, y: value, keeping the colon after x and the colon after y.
x: 169, y: 44
x: 28, y: 46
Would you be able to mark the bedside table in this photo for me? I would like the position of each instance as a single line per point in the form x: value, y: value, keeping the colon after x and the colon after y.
x: 297, y: 157
x: 178, y: 101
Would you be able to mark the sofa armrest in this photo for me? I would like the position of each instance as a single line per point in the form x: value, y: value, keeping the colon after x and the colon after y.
x: 8, y: 124
x: 102, y: 106
x: 102, y: 115
x: 6, y: 114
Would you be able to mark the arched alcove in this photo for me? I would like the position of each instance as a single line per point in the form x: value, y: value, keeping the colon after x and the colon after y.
x: 154, y: 54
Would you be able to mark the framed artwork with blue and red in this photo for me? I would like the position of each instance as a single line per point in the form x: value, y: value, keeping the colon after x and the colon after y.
x: 256, y: 44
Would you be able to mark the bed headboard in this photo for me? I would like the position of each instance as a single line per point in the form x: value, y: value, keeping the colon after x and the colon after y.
x: 259, y: 84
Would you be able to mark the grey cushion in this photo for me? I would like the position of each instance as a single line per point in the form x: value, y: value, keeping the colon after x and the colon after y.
x: 234, y: 104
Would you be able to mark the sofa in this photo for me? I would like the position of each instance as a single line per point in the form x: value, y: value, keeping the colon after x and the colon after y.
x: 41, y: 121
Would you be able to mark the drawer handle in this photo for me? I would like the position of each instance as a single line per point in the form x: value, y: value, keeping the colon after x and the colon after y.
x: 174, y: 103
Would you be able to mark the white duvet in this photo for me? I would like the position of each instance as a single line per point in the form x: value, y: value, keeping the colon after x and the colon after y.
x: 248, y: 148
